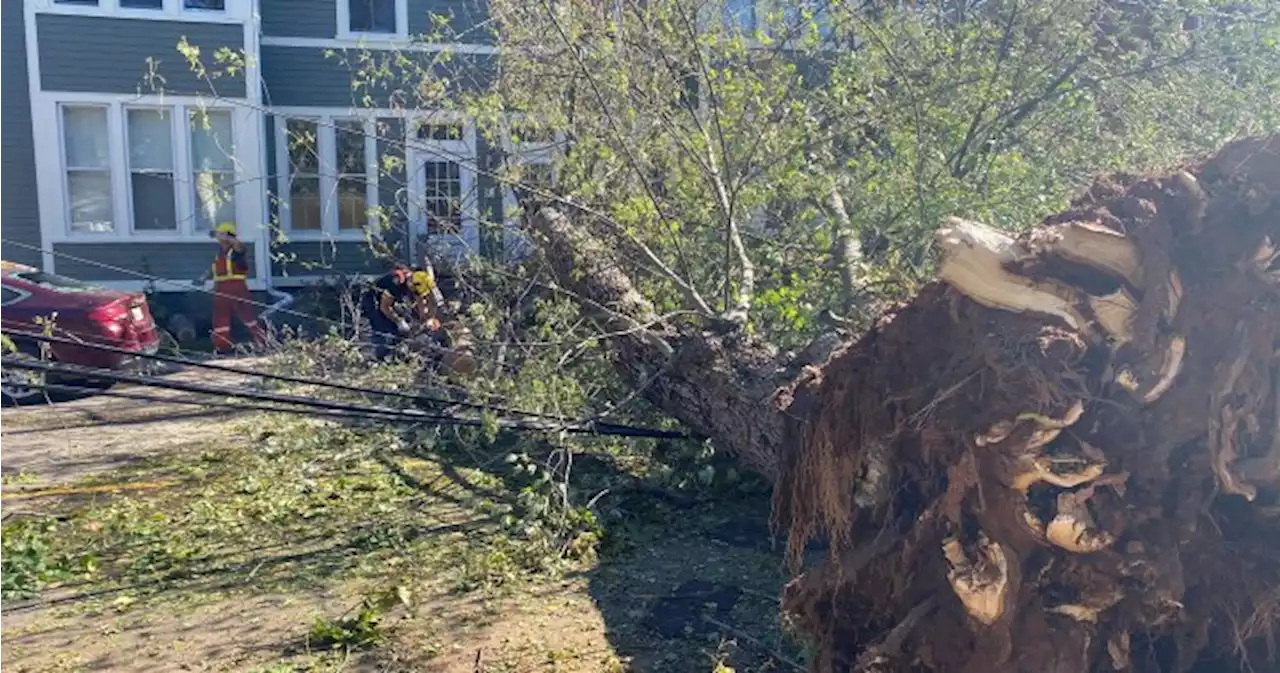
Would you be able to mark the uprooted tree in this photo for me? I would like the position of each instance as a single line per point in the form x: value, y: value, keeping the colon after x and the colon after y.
x: 1061, y: 455
x: 1058, y: 455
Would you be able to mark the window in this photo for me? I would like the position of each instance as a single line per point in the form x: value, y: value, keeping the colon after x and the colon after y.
x: 88, y: 167
x: 304, y: 173
x: 141, y: 4
x: 82, y: 3
x: 149, y: 136
x: 56, y: 282
x: 372, y: 16
x: 353, y: 186
x: 442, y: 197
x: 212, y: 167
x: 211, y: 5
x: 11, y: 296
x: 440, y: 132
x: 326, y: 183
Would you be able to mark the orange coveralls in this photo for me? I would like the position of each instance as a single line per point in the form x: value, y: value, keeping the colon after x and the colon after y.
x: 231, y: 295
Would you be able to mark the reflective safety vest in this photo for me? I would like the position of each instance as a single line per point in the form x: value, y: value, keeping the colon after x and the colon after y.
x: 228, y: 266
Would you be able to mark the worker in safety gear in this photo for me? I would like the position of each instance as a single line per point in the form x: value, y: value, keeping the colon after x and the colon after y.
x: 230, y: 271
x: 415, y: 286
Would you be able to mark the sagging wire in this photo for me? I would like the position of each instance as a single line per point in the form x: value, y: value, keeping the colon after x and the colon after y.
x: 380, y: 412
x: 285, y: 378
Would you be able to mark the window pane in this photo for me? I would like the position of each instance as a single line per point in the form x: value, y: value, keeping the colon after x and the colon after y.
x: 373, y: 16
x: 85, y: 129
x: 150, y: 140
x: 443, y: 197
x: 304, y: 203
x: 218, y: 5
x: 440, y: 132
x: 153, y: 206
x: 212, y: 148
x: 90, y: 196
x: 87, y: 3
x: 349, y: 134
x: 353, y: 210
x: 142, y: 4
x: 300, y: 134
x: 215, y: 199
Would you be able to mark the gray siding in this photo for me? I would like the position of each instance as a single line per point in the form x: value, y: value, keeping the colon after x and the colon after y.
x: 302, y: 76
x: 299, y: 18
x: 90, y: 53
x: 320, y: 258
x: 319, y: 19
x: 20, y: 217
x: 467, y: 20
x: 171, y: 261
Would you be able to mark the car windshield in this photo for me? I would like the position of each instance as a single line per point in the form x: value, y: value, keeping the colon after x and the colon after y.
x: 56, y: 282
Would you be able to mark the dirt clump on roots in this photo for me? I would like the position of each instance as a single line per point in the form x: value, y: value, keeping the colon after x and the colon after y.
x: 1064, y: 454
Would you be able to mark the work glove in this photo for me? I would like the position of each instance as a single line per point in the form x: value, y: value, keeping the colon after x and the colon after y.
x: 403, y: 326
x: 433, y: 324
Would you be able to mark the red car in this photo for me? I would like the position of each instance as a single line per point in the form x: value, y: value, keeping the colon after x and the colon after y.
x: 35, y: 301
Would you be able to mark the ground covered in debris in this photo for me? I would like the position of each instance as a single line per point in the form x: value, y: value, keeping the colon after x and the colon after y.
x: 1066, y: 450
x: 253, y: 543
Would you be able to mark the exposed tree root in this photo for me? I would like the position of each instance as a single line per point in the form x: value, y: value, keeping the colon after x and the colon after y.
x: 1078, y: 432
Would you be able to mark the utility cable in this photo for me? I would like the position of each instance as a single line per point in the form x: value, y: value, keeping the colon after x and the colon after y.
x: 214, y: 404
x: 293, y: 379
x: 283, y: 378
x: 410, y: 415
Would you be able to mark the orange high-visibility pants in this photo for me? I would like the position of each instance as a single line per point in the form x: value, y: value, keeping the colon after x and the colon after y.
x: 232, y: 296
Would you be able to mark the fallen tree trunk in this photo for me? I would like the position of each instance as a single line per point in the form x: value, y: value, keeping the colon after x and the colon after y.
x: 1061, y: 456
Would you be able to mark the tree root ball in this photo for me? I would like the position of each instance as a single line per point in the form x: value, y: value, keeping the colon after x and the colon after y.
x: 1067, y: 447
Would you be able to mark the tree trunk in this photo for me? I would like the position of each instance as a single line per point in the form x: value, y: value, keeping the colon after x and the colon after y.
x: 1064, y: 455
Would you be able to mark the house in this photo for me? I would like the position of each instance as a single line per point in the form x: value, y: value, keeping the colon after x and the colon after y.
x: 119, y: 156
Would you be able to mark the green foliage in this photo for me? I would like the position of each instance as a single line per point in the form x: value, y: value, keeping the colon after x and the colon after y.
x: 350, y: 633
x: 31, y: 560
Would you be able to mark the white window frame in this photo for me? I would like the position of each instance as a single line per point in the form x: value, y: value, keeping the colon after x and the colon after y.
x: 545, y: 152
x: 462, y: 152
x: 344, y: 24
x: 179, y: 158
x: 188, y: 220
x: 234, y: 11
x: 112, y: 169
x: 55, y: 215
x: 327, y: 148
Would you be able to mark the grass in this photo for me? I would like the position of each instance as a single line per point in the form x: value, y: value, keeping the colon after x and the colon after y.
x: 400, y: 547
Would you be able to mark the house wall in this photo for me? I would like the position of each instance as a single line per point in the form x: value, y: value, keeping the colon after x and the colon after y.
x: 19, y: 203
x: 171, y: 261
x: 318, y: 19
x: 114, y: 55
x: 118, y: 58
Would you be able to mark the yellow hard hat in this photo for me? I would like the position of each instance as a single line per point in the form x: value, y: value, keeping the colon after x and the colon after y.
x: 225, y: 228
x: 422, y: 282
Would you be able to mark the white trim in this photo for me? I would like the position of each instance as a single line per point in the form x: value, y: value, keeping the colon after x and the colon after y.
x: 366, y: 42
x: 461, y: 152
x: 236, y: 11
x: 54, y: 218
x: 344, y: 24
x: 43, y: 127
